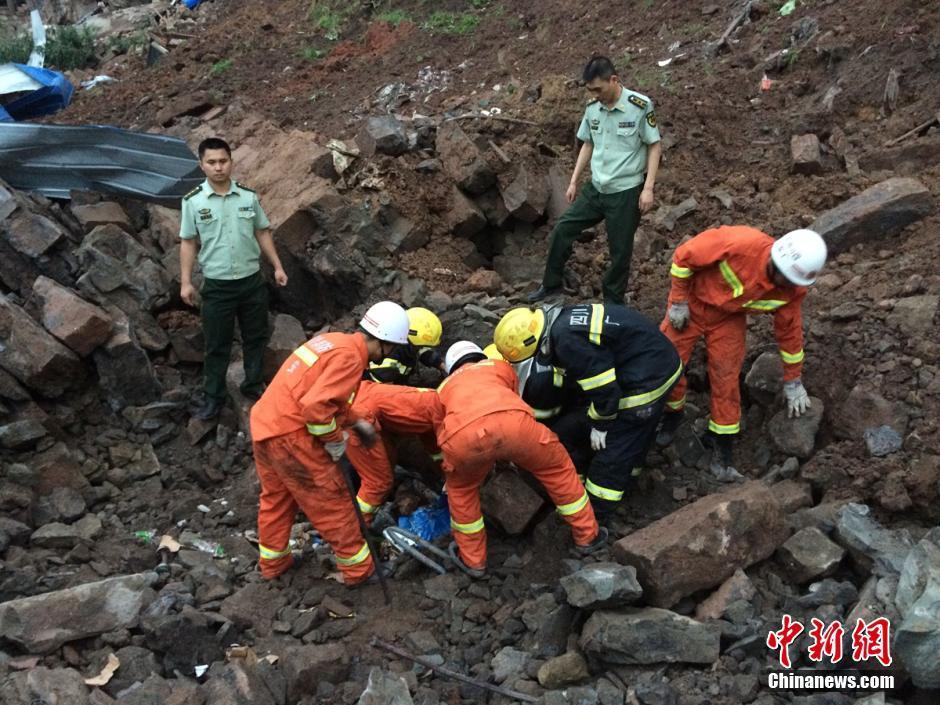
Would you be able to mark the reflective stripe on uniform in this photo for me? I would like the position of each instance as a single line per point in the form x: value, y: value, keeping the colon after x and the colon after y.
x: 604, y: 492
x: 269, y: 554
x: 546, y: 413
x: 677, y: 404
x: 307, y: 356
x: 558, y: 377
x: 390, y: 363
x: 593, y: 414
x: 737, y: 288
x: 598, y: 380
x: 364, y: 506
x: 680, y: 272
x: 792, y: 358
x: 566, y: 510
x: 472, y: 527
x: 437, y: 456
x: 361, y: 555
x: 723, y: 429
x: 649, y: 397
x: 597, y: 323
x: 766, y: 304
x: 321, y: 429
x: 636, y: 472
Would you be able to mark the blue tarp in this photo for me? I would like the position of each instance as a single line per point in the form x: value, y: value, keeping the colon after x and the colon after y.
x: 55, y: 94
x: 428, y: 522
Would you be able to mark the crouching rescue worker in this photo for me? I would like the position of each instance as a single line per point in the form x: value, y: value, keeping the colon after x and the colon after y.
x: 424, y: 336
x: 390, y: 409
x: 298, y: 436
x: 718, y: 277
x: 485, y: 421
x: 624, y: 367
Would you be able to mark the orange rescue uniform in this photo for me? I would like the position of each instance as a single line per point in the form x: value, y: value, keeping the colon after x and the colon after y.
x: 306, y: 405
x: 390, y: 408
x: 722, y: 274
x: 485, y: 421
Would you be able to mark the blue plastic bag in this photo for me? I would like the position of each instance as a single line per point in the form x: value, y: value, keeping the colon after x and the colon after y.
x: 191, y: 4
x: 428, y: 522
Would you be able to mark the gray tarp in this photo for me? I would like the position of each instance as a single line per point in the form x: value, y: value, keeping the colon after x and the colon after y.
x: 56, y: 159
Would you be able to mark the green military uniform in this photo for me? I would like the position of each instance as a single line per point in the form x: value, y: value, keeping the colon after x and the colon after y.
x: 620, y: 136
x: 233, y: 287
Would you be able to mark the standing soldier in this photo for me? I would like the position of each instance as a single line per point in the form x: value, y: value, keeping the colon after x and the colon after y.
x: 223, y: 222
x: 621, y: 142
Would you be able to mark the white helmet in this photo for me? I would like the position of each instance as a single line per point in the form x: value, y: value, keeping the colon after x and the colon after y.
x: 799, y: 256
x: 386, y: 321
x: 458, y: 351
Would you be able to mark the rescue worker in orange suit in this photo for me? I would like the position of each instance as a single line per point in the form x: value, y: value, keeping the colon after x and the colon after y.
x: 389, y: 408
x: 485, y: 421
x: 621, y: 364
x: 718, y: 278
x: 297, y: 428
x: 424, y: 336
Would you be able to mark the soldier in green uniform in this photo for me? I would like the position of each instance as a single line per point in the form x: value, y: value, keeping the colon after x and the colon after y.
x: 621, y: 142
x: 223, y: 222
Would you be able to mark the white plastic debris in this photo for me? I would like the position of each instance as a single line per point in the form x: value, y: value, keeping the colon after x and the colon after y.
x: 201, y: 670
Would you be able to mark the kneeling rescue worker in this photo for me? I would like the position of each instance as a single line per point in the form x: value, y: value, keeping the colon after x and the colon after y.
x: 623, y: 365
x: 298, y: 436
x: 424, y: 336
x: 718, y: 278
x: 485, y: 421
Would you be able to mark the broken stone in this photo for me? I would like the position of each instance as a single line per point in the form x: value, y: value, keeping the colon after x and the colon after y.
x: 649, y: 635
x: 20, y: 435
x: 43, y: 623
x: 877, y: 213
x: 508, y: 501
x: 804, y: 154
x: 526, y: 197
x: 33, y: 356
x: 864, y: 409
x: 80, y: 325
x: 723, y: 197
x: 462, y: 159
x: 485, y: 280
x: 797, y: 436
x: 137, y: 664
x: 62, y: 504
x: 382, y: 135
x: 918, y: 599
x: 702, y: 543
x: 57, y: 467
x: 884, y: 550
x: 914, y: 315
x: 186, y: 639
x: 43, y: 685
x: 305, y: 667
x: 32, y: 234
x: 441, y: 587
x: 103, y: 213
x: 385, y: 688
x: 124, y: 369
x: 558, y: 181
x: 563, y: 670
x: 493, y: 207
x: 55, y: 535
x: 765, y: 378
x: 164, y: 226
x: 600, y: 585
x: 287, y: 334
x: 464, y: 218
x: 509, y: 663
x: 667, y: 216
x: 809, y: 554
x: 882, y: 441
x: 236, y: 683
x: 792, y: 495
x: 254, y: 606
x: 736, y: 588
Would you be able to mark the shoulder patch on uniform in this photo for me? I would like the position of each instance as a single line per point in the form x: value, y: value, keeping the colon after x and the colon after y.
x: 243, y: 187
x: 638, y: 102
x: 193, y: 192
x: 651, y: 118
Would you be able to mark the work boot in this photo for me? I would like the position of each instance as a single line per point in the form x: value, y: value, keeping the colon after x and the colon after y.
x: 475, y: 573
x: 542, y: 292
x: 382, y: 570
x: 668, y: 428
x: 210, y: 408
x: 722, y: 462
x: 599, y: 542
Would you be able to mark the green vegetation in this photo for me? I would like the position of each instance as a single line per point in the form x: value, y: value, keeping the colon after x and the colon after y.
x: 394, y: 17
x: 312, y: 53
x: 124, y: 43
x: 67, y: 48
x: 441, y: 22
x: 329, y: 16
x: 220, y: 67
x: 479, y: 4
x: 14, y: 47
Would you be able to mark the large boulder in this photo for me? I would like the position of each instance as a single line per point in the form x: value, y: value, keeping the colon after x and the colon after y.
x: 648, y: 636
x: 797, y: 436
x: 287, y: 334
x: 863, y: 409
x: 526, y: 196
x: 876, y: 548
x: 765, y: 378
x: 462, y: 159
x: 914, y: 315
x: 80, y: 325
x: 124, y: 369
x: 875, y: 214
x: 509, y: 501
x: 92, y: 215
x: 701, y: 544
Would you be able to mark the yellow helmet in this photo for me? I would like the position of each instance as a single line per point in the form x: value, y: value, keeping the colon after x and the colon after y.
x: 492, y: 353
x: 424, y: 328
x: 517, y: 334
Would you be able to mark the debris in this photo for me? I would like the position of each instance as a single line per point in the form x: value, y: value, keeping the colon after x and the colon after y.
x: 526, y: 196
x: 106, y: 672
x: 563, y: 670
x: 863, y: 409
x: 668, y: 216
x: 736, y: 589
x: 510, y: 502
x: 98, y: 80
x: 797, y: 436
x: 382, y: 135
x: 80, y: 325
x: 809, y: 554
x: 787, y: 8
x: 462, y: 159
x: 601, y: 585
x: 917, y: 598
x: 41, y: 92
x: 889, y: 101
x: 464, y: 217
x: 649, y: 635
x: 920, y: 130
x: 805, y: 155
x: 884, y: 550
x: 385, y: 688
x: 725, y: 39
x: 882, y: 441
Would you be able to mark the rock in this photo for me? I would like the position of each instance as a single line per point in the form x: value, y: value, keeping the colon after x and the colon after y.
x: 441, y: 587
x: 493, y: 207
x: 509, y: 501
x: 20, y: 435
x: 57, y: 467
x: 382, y: 135
x: 464, y: 218
x: 305, y: 667
x: 43, y: 623
x: 703, y: 543
x: 254, y: 607
x: 562, y: 670
x: 33, y: 356
x: 32, y: 234
x: 884, y: 550
x: 649, y: 635
x: 287, y: 334
x: 862, y: 409
x: 186, y: 639
x: 485, y: 280
x: 518, y: 269
x: 797, y: 436
x: 914, y: 315
x: 792, y: 495
x: 736, y: 588
x: 63, y: 504
x: 882, y: 441
x: 55, y: 535
x: 804, y: 154
x: 88, y: 528
x: 765, y: 378
x: 462, y: 160
x: 558, y: 180
x: 236, y: 683
x: 601, y: 585
x: 124, y: 369
x: 809, y: 554
x: 164, y: 226
x: 655, y: 693
x: 137, y: 663
x: 723, y: 197
x: 875, y: 214
x: 385, y: 688
x: 668, y: 216
x: 45, y: 686
x: 526, y: 196
x: 550, y: 624
x: 509, y: 663
x: 92, y: 215
x: 80, y: 325
x: 918, y: 600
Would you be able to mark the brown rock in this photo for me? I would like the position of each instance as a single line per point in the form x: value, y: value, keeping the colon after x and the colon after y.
x: 287, y: 334
x: 485, y: 280
x: 737, y: 587
x: 864, y: 409
x: 558, y: 180
x: 464, y: 219
x: 104, y: 213
x: 164, y: 226
x: 810, y: 554
x: 510, y: 502
x: 805, y: 155
x: 703, y: 543
x: 79, y: 324
x: 462, y: 159
x: 32, y: 234
x: 526, y: 196
x: 305, y: 667
x: 914, y: 315
x: 792, y: 495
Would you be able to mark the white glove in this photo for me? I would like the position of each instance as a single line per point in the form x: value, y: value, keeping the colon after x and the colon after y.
x: 337, y: 448
x: 598, y: 439
x: 797, y: 398
x: 679, y: 314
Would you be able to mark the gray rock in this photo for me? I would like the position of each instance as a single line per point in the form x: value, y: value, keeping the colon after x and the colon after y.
x: 237, y: 684
x: 464, y: 217
x: 765, y: 378
x: 462, y: 159
x: 917, y: 639
x: 655, y: 693
x: 863, y: 409
x: 22, y: 434
x: 914, y: 315
x: 55, y: 535
x: 125, y: 372
x: 562, y: 670
x: 882, y: 441
x: 137, y: 663
x: 580, y: 695
x: 510, y: 502
x: 509, y: 663
x: 526, y: 197
x: 601, y: 585
x: 804, y: 154
x: 797, y: 436
x: 254, y: 606
x: 649, y: 635
x: 735, y: 589
x: 43, y: 623
x: 305, y: 667
x: 80, y: 325
x: 875, y: 214
x: 668, y: 216
x: 382, y: 135
x: 43, y: 685
x: 608, y: 693
x: 287, y: 334
x: 868, y: 541
x: 385, y: 688
x: 64, y: 504
x: 829, y: 592
x: 810, y: 554
x: 441, y: 587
